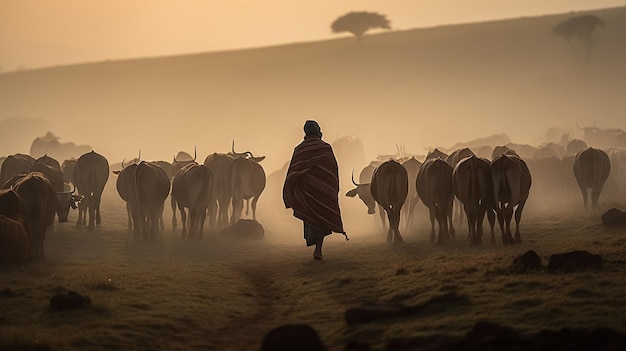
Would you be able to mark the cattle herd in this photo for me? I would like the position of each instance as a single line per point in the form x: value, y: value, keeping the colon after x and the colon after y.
x: 494, y: 182
x: 34, y: 191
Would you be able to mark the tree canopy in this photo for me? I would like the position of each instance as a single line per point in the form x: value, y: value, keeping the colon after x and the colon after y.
x: 358, y: 23
x: 581, y: 28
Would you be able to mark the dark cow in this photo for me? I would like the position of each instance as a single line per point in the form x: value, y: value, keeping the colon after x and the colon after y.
x: 125, y: 185
x: 502, y: 149
x: 65, y: 197
x: 13, y: 165
x: 90, y: 176
x: 364, y: 192
x: 49, y: 161
x: 181, y: 159
x: 591, y: 170
x: 436, y: 153
x: 511, y: 185
x: 14, y: 246
x: 473, y: 186
x: 452, y: 159
x: 434, y: 187
x: 389, y: 187
x: 67, y: 168
x: 575, y: 146
x: 247, y: 182
x: 219, y: 164
x: 191, y: 189
x: 40, y: 202
x: 151, y: 187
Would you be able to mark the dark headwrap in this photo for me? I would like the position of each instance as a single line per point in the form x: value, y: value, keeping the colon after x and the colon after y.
x: 312, y: 128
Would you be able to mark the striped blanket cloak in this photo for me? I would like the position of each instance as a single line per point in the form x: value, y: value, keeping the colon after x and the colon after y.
x: 312, y: 185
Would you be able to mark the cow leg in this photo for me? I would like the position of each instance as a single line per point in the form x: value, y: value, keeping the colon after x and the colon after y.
x: 390, y: 230
x: 479, y: 224
x: 382, y: 213
x: 183, y: 219
x: 595, y: 195
x: 451, y: 232
x: 96, y: 201
x: 212, y: 210
x: 254, y: 201
x: 442, y: 219
x: 491, y: 218
x: 396, y: 226
x: 202, y: 220
x: 508, y: 215
x: 583, y: 190
x: 92, y: 214
x: 431, y: 211
x: 237, y: 209
x: 173, y: 204
x: 224, y: 204
x: 500, y: 215
x: 518, y: 217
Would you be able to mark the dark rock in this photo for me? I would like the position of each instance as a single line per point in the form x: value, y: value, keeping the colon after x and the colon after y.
x: 245, y: 228
x: 527, y: 262
x: 614, y: 217
x: 292, y: 337
x: 70, y: 301
x: 574, y: 261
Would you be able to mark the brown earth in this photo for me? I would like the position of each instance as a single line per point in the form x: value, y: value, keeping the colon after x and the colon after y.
x: 217, y: 293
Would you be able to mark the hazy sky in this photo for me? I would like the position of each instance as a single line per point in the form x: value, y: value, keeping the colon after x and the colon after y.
x: 37, y: 33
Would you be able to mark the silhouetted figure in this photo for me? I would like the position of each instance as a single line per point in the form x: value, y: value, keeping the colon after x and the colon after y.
x: 311, y: 188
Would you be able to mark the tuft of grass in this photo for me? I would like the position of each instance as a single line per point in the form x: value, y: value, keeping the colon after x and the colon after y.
x: 20, y: 339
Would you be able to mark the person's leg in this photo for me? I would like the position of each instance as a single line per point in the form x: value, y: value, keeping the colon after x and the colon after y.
x: 317, y: 254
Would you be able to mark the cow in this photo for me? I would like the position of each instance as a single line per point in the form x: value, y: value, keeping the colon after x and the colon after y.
x: 191, y: 189
x: 502, y: 149
x: 40, y: 202
x: 125, y: 186
x: 247, y: 182
x: 436, y: 153
x: 389, y: 187
x: 473, y: 186
x: 90, y: 175
x: 14, y: 245
x: 412, y: 166
x: 591, y: 170
x: 65, y: 198
x: 511, y: 187
x: 364, y: 192
x: 49, y: 161
x: 434, y: 187
x: 13, y: 165
x: 151, y: 187
x: 67, y: 168
x: 452, y: 159
x: 219, y: 164
x: 181, y: 159
x: 574, y: 146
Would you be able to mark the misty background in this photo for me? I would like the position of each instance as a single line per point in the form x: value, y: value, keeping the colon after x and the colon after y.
x: 420, y: 88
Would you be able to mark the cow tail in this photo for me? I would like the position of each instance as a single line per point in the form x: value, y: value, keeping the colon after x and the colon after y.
x: 472, y: 180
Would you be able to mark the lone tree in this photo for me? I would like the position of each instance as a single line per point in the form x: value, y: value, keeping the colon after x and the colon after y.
x: 581, y: 28
x: 358, y: 23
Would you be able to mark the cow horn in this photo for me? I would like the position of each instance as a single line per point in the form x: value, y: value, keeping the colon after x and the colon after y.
x: 139, y: 158
x: 123, y: 163
x: 355, y: 183
x: 233, y: 147
x: 195, y: 154
x: 174, y: 159
x: 68, y: 192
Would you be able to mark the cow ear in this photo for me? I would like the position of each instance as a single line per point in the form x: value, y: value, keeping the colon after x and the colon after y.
x: 352, y: 193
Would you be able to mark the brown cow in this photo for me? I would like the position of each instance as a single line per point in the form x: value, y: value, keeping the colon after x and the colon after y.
x: 434, y: 186
x: 591, y: 169
x: 90, y: 176
x: 40, y: 201
x: 389, y: 187
x: 151, y: 186
x: 219, y: 164
x: 14, y: 246
x: 511, y: 186
x: 191, y: 189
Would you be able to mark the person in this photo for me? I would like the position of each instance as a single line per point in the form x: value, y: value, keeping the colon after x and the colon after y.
x: 311, y: 188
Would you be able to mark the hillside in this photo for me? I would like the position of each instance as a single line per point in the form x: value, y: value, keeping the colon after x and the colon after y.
x: 420, y: 88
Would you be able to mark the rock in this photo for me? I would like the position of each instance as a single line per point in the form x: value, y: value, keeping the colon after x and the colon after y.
x: 527, y: 262
x: 70, y: 301
x: 574, y: 261
x: 614, y: 217
x: 245, y: 228
x: 292, y: 337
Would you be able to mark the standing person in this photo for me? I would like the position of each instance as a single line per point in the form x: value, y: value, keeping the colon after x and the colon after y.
x: 311, y: 188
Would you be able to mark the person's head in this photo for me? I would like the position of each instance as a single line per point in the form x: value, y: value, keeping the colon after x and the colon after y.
x: 312, y: 129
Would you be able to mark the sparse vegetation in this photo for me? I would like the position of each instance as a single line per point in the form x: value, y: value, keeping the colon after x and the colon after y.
x: 581, y: 29
x: 358, y: 23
